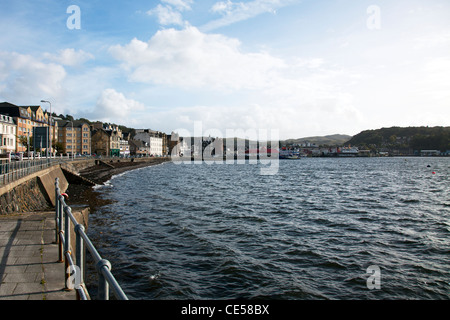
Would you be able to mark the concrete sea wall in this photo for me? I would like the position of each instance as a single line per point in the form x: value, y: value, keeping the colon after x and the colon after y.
x: 35, y: 192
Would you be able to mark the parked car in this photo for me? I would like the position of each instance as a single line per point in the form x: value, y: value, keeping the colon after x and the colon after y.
x: 14, y: 156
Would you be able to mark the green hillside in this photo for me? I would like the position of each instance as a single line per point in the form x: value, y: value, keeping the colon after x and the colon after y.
x: 330, y: 140
x: 414, y: 138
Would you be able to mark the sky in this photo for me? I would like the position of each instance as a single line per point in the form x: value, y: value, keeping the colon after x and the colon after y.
x: 291, y: 68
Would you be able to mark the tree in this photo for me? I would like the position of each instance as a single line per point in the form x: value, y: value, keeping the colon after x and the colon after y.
x: 393, y: 139
x: 26, y: 142
x: 59, y: 147
x: 85, y: 120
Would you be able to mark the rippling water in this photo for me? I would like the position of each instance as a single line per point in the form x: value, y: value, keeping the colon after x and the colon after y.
x: 310, y: 232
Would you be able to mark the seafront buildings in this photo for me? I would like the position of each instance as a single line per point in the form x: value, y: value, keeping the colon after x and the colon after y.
x: 7, y: 134
x: 106, y: 139
x: 157, y: 141
x: 25, y: 119
x: 74, y: 137
x: 312, y: 150
x: 20, y: 125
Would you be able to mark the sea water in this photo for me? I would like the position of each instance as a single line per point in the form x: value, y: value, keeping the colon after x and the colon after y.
x: 321, y: 228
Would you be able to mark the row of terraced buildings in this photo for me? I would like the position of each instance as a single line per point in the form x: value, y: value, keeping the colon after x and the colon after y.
x: 18, y: 123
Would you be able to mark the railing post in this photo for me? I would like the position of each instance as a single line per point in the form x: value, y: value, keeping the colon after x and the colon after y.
x: 67, y: 211
x: 57, y: 191
x: 79, y: 252
x: 60, y: 227
x: 103, y: 286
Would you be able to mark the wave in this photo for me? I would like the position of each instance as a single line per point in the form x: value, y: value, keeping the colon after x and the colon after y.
x: 195, y: 233
x: 108, y: 183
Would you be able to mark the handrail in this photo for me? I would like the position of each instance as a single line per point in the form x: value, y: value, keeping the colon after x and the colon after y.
x: 12, y: 171
x: 75, y: 270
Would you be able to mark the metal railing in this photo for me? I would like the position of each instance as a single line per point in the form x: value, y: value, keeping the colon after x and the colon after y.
x: 11, y: 171
x: 74, y: 270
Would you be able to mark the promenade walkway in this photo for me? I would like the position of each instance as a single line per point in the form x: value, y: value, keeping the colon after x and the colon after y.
x: 28, y: 259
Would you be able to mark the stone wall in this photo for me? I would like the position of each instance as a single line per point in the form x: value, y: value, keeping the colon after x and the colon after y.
x: 78, y: 165
x: 26, y: 197
x: 35, y: 192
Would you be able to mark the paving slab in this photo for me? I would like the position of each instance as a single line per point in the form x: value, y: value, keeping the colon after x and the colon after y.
x: 29, y: 267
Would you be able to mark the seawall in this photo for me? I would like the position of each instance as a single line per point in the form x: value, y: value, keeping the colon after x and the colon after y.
x: 35, y: 192
x: 102, y: 170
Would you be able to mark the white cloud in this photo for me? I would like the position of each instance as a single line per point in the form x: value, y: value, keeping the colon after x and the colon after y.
x: 180, y: 5
x: 170, y: 13
x: 189, y: 58
x: 233, y: 12
x: 113, y: 106
x: 292, y: 95
x: 295, y: 120
x: 26, y: 80
x: 70, y: 57
x: 167, y: 15
x: 246, y: 9
x: 294, y: 106
x: 435, y: 82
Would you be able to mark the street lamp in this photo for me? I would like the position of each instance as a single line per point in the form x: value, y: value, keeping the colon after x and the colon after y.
x: 72, y: 140
x: 49, y: 126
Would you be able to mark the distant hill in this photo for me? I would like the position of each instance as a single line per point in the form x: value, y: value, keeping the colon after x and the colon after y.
x: 331, y: 140
x: 415, y: 138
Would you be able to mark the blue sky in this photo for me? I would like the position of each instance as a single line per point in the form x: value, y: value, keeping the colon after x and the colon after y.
x: 300, y: 67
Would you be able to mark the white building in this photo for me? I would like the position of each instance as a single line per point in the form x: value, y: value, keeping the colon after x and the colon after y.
x: 153, y: 139
x: 124, y: 148
x: 7, y: 134
x: 156, y: 146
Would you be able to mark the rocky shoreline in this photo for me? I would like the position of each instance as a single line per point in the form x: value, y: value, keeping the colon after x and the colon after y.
x: 85, y: 195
